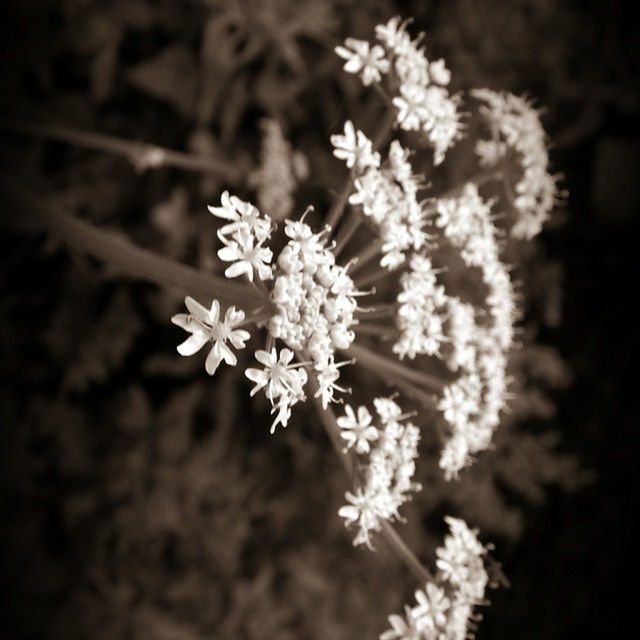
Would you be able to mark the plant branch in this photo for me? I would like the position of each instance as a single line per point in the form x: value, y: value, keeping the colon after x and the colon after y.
x: 141, y: 154
x: 28, y: 212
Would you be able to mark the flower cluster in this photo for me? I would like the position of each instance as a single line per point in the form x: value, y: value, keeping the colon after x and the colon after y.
x: 444, y: 610
x: 475, y: 343
x: 315, y: 302
x: 387, y: 193
x: 243, y: 238
x: 466, y: 223
x: 280, y: 170
x: 388, y: 451
x: 516, y: 126
x: 313, y: 305
x: 421, y: 98
x: 422, y: 308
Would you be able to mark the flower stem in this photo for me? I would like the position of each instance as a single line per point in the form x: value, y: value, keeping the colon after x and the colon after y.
x: 34, y: 214
x: 141, y: 154
x: 479, y: 178
x: 388, y: 369
x: 374, y: 276
x: 366, y: 255
x: 347, y: 231
x: 376, y: 330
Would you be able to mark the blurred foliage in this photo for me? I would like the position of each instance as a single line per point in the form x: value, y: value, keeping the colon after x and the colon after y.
x: 143, y: 499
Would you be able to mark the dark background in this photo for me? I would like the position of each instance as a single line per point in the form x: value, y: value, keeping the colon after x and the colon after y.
x: 98, y: 446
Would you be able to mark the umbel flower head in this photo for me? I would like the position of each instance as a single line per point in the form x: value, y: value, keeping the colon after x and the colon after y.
x: 448, y: 297
x: 312, y: 303
x: 421, y: 99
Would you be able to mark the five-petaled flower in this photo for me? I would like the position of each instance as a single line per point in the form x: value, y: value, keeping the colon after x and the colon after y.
x: 369, y: 62
x: 205, y: 325
x: 357, y: 429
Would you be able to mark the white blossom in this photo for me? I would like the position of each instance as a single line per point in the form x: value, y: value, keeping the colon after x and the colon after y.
x: 391, y: 448
x: 354, y: 148
x: 519, y: 128
x: 357, y: 430
x: 369, y: 62
x: 283, y: 382
x: 205, y: 326
x: 315, y: 303
x: 444, y: 608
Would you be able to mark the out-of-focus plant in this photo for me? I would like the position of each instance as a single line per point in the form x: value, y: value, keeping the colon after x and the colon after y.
x: 399, y: 291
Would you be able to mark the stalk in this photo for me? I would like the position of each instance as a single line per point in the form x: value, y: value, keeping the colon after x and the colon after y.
x: 389, y: 369
x: 37, y: 214
x: 141, y: 154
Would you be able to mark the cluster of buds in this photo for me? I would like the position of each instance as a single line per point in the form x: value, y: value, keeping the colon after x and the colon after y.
x: 281, y: 169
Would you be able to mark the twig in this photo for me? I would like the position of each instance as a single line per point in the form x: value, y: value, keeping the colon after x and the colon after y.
x: 141, y: 154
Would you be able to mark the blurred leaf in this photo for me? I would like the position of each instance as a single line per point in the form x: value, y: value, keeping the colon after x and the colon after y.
x: 169, y: 76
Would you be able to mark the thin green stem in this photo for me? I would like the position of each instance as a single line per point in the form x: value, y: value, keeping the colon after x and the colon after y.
x: 141, y: 154
x: 28, y: 212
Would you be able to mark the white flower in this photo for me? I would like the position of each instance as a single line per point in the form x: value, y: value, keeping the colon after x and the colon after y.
x: 519, y: 128
x: 243, y: 216
x: 444, y: 609
x: 354, y: 148
x: 247, y: 256
x: 284, y: 382
x: 432, y: 607
x: 401, y: 628
x: 411, y: 107
x: 393, y: 34
x: 315, y: 303
x: 205, y: 325
x: 369, y: 62
x: 357, y: 430
x: 362, y: 512
x: 386, y: 476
